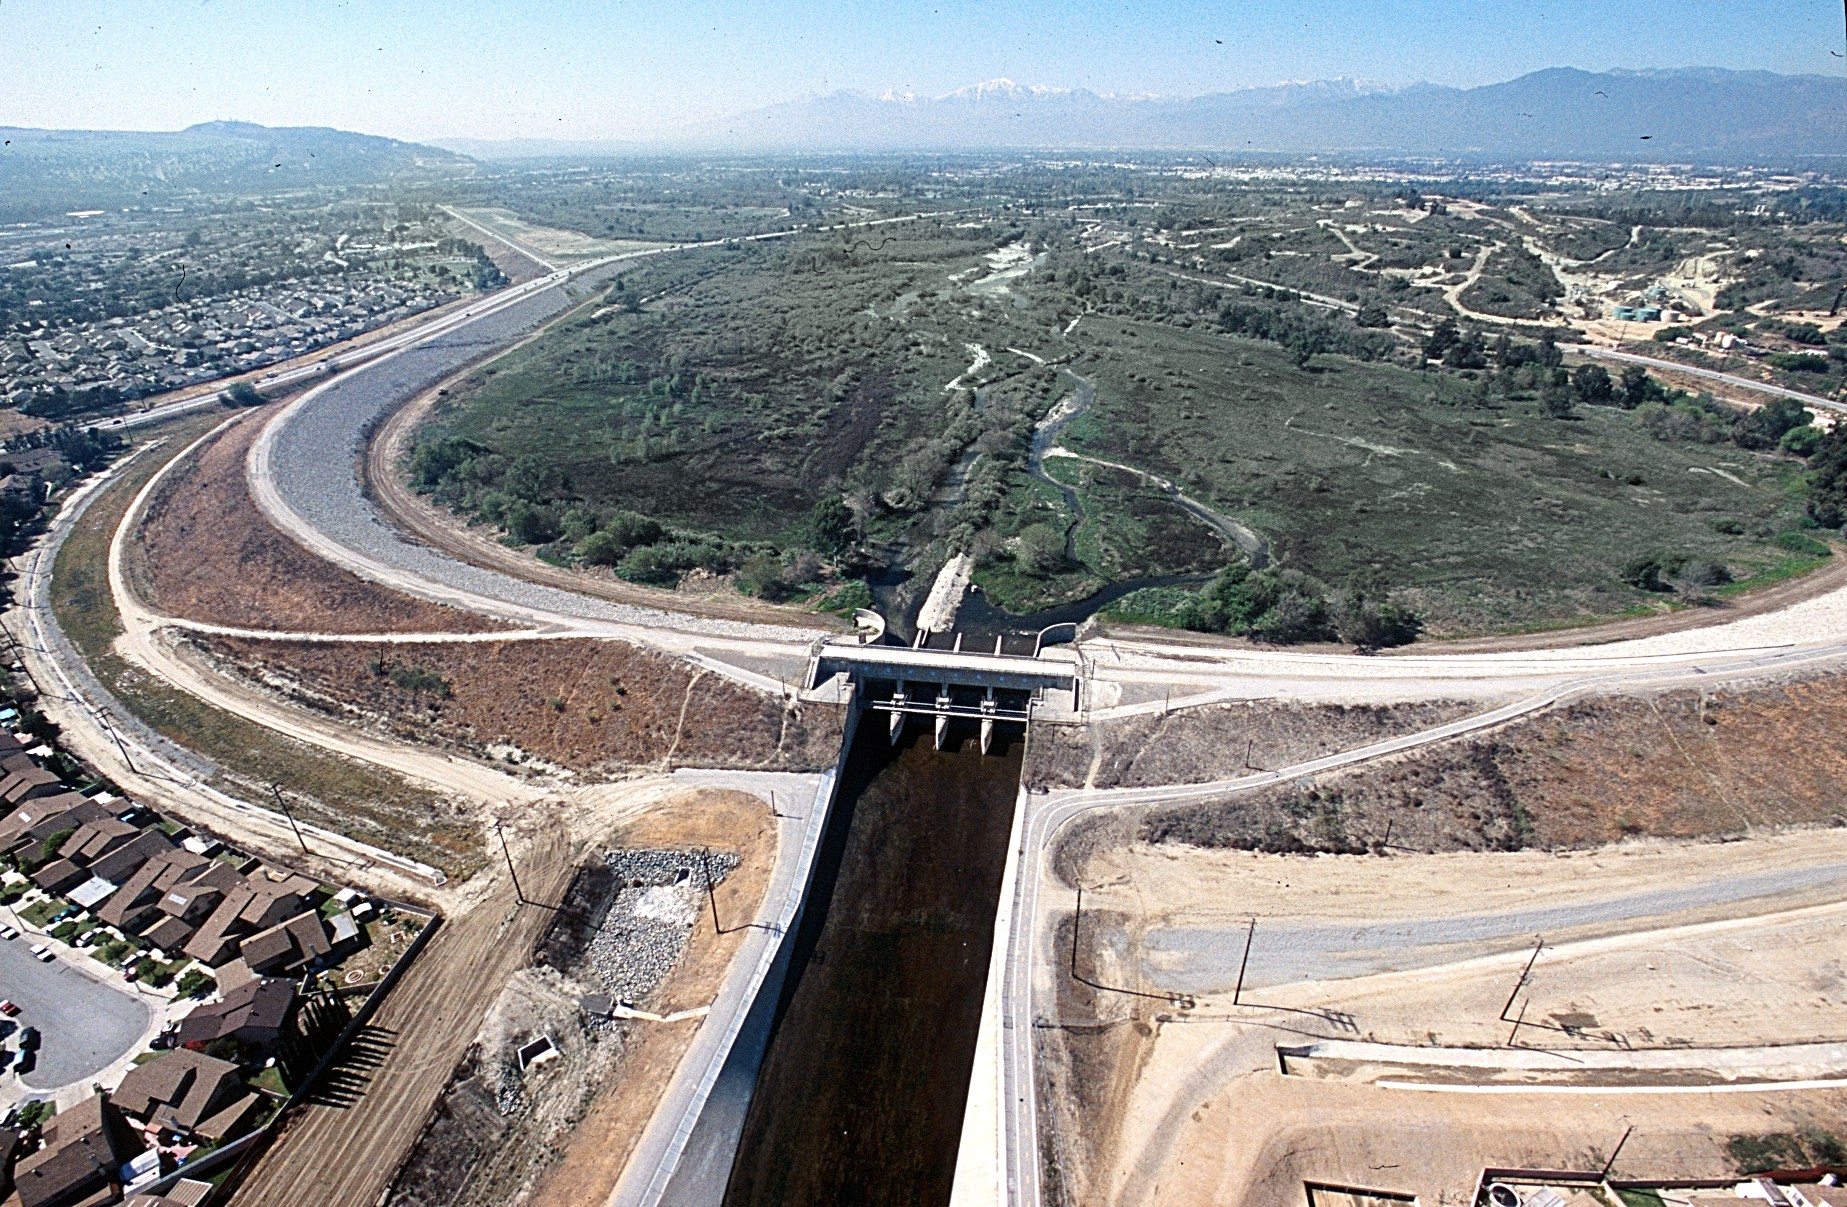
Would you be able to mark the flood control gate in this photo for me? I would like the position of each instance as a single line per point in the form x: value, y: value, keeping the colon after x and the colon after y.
x: 949, y: 685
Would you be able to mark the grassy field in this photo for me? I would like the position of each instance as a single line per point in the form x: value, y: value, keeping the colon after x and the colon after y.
x: 340, y: 794
x: 727, y: 395
x: 1488, y: 515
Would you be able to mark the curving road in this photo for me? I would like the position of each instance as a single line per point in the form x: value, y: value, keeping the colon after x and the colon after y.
x: 303, y: 474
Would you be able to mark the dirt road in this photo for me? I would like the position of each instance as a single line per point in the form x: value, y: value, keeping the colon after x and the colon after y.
x: 343, y: 1149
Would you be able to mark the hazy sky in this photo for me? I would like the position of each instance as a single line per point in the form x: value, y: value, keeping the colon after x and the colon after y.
x: 576, y: 69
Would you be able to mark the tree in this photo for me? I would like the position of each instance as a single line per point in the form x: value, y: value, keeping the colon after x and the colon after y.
x: 1303, y: 345
x: 629, y: 529
x: 831, y: 526
x: 1041, y: 549
x: 1827, y: 504
x: 1802, y: 441
x: 1766, y: 426
x: 1548, y: 354
x: 243, y: 394
x: 1591, y: 384
x: 1365, y: 616
x: 1636, y: 387
x: 1372, y: 315
x: 648, y: 565
x: 530, y: 524
x: 1556, y: 398
x: 1440, y: 339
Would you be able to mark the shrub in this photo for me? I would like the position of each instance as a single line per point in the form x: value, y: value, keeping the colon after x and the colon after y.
x: 420, y: 679
x: 243, y: 394
x: 601, y: 549
x: 531, y: 524
x: 194, y: 983
x: 648, y: 565
x: 630, y: 529
x: 1798, y: 362
x: 1802, y: 542
x: 1802, y: 441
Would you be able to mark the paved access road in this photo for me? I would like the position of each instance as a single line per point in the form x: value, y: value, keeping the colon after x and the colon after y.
x: 85, y: 1024
x: 1762, y: 387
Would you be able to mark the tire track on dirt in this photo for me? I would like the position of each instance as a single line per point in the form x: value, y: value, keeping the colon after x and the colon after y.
x: 345, y: 1154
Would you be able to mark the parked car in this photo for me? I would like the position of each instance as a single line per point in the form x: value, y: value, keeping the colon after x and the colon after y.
x: 8, y: 932
x: 43, y: 952
x: 28, y: 1039
x: 26, y: 1061
x: 8, y: 1007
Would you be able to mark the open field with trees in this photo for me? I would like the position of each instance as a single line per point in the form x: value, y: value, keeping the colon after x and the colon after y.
x: 1305, y: 423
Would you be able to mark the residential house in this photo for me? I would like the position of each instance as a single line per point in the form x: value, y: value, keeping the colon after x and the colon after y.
x: 288, y: 946
x: 252, y: 1013
x: 187, y: 1092
x: 138, y: 896
x: 265, y: 898
x: 123, y: 862
x: 40, y: 819
x: 59, y: 876
x: 29, y: 783
x: 84, y: 1148
x: 95, y: 839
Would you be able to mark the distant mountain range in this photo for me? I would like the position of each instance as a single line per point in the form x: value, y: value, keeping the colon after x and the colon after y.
x: 1703, y: 114
x: 51, y: 171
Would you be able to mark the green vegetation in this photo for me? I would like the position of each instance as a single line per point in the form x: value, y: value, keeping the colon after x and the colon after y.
x: 34, y: 1113
x: 194, y: 983
x: 1275, y: 368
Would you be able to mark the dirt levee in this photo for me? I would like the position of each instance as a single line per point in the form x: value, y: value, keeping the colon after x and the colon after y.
x: 1680, y: 764
x: 207, y: 554
x: 578, y: 703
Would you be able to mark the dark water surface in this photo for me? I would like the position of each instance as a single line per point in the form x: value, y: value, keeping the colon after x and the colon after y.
x: 862, y: 1090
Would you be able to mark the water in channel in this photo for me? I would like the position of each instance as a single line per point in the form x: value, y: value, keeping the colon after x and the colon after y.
x: 861, y: 1092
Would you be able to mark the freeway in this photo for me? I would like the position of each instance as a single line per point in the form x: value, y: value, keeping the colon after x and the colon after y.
x: 1745, y: 383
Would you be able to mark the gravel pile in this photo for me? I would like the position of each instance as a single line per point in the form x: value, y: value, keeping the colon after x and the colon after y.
x: 660, y: 897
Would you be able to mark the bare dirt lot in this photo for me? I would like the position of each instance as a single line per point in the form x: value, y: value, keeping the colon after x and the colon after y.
x: 1655, y: 951
x: 1219, y: 741
x: 207, y: 554
x: 578, y: 703
x: 561, y: 1132
x: 1683, y: 763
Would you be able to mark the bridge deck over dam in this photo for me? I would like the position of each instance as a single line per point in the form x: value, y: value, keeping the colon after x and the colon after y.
x: 950, y: 685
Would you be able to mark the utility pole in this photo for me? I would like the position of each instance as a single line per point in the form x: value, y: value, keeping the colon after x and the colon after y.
x: 711, y: 893
x: 286, y: 812
x: 1604, y: 1176
x: 1249, y: 936
x: 1077, y: 919
x: 518, y: 892
x: 132, y: 769
x: 1512, y: 1035
x: 1538, y: 943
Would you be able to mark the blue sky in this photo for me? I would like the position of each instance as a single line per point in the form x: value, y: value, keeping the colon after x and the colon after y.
x: 575, y: 69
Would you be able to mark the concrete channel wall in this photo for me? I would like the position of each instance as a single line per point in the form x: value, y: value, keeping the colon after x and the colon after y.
x: 685, y: 1155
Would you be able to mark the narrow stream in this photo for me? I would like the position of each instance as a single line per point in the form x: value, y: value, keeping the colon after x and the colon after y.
x: 862, y: 1089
